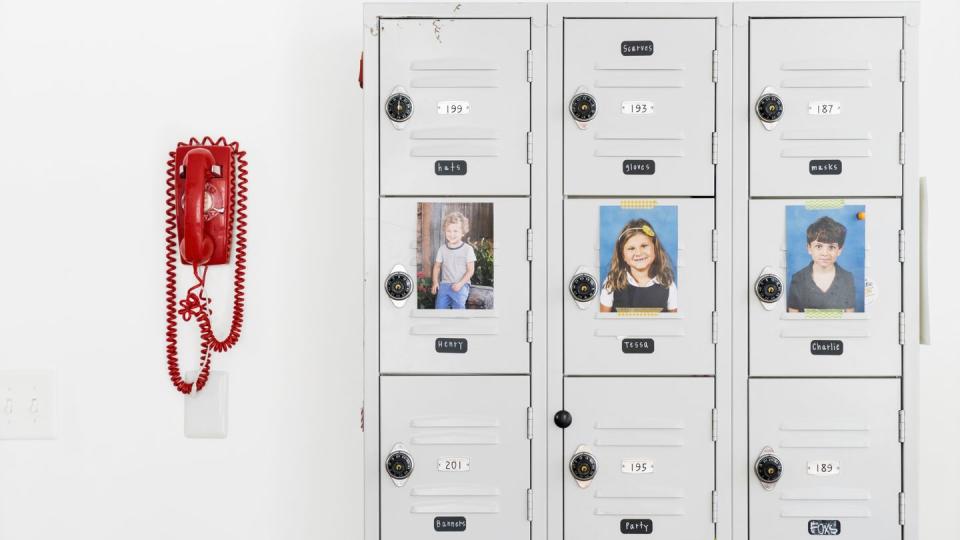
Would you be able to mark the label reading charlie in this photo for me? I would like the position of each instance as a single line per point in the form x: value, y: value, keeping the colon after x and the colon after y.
x: 637, y: 345
x: 450, y: 167
x: 826, y: 347
x: 449, y: 523
x: 825, y: 166
x: 636, y: 48
x: 636, y: 526
x: 450, y: 345
x: 824, y: 527
x: 639, y: 166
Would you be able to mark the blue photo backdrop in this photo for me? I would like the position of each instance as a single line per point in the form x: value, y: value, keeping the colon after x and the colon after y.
x: 852, y: 257
x: 663, y: 219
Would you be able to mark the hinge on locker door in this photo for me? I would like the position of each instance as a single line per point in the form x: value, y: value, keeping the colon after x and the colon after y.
x: 903, y: 148
x: 715, y: 148
x: 529, y: 327
x: 715, y: 507
x: 715, y: 328
x: 714, y: 424
x: 530, y: 505
x: 903, y: 509
x: 529, y: 148
x: 903, y: 426
x: 903, y: 328
x: 529, y: 65
x: 903, y: 65
x: 529, y: 422
x: 903, y: 245
x: 716, y: 65
x: 715, y: 245
x: 529, y: 244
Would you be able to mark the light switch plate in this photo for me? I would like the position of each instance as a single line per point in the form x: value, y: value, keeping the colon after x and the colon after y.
x: 205, y: 412
x: 27, y: 404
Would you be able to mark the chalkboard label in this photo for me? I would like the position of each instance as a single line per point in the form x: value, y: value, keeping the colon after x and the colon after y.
x: 824, y: 527
x: 826, y: 166
x: 447, y: 167
x: 449, y: 523
x: 636, y: 48
x: 450, y: 345
x: 637, y: 345
x: 826, y: 347
x: 639, y: 166
x: 636, y: 526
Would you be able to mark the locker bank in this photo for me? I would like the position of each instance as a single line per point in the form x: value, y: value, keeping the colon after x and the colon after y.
x: 640, y: 268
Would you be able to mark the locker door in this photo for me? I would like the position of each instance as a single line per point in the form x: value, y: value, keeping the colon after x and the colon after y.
x: 651, y: 442
x: 466, y: 441
x: 639, y: 340
x: 838, y: 445
x: 484, y: 338
x: 838, y: 81
x: 651, y: 82
x: 827, y: 342
x: 465, y: 81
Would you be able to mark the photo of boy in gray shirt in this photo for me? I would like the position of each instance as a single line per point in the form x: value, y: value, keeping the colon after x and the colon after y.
x: 454, y: 265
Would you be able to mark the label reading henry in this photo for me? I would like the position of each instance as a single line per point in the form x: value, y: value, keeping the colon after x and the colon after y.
x: 637, y: 345
x: 825, y: 166
x: 826, y: 347
x: 450, y: 167
x: 450, y: 345
x: 450, y: 523
x: 636, y: 48
x: 639, y: 166
x: 824, y: 527
x: 636, y: 526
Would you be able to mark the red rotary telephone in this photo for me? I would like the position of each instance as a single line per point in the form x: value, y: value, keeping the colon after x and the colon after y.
x: 202, y: 177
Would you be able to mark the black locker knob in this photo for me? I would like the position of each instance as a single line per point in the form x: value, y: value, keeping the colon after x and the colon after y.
x: 399, y: 107
x: 769, y: 108
x: 583, y: 287
x: 583, y: 107
x: 398, y: 285
x: 563, y: 419
x: 769, y: 469
x: 583, y: 466
x: 399, y: 465
x: 769, y: 288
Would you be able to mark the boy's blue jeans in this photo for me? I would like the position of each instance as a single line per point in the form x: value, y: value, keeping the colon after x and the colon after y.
x: 448, y: 299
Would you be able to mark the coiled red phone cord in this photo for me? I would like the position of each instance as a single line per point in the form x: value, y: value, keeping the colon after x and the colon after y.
x: 195, y: 303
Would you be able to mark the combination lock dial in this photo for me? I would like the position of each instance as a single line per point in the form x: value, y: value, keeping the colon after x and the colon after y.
x: 398, y: 285
x: 399, y: 465
x: 769, y: 288
x: 583, y: 287
x: 769, y: 108
x: 583, y: 107
x: 583, y: 466
x: 399, y: 107
x: 769, y: 469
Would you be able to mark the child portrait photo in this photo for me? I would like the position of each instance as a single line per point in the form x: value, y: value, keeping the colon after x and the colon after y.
x: 825, y: 258
x: 454, y: 255
x: 638, y: 253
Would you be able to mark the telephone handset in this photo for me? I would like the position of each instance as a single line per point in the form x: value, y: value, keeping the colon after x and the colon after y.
x: 202, y: 178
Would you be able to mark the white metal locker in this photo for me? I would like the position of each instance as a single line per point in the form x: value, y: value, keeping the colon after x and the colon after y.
x: 839, y: 85
x: 469, y: 457
x: 470, y: 101
x: 838, y: 445
x: 651, y: 85
x: 827, y: 342
x: 639, y: 341
x: 490, y: 340
x: 653, y: 457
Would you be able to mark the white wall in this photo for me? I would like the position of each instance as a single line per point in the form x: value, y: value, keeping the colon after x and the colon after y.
x: 92, y: 96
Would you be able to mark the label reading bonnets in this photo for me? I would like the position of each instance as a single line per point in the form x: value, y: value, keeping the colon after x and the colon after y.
x: 824, y: 527
x: 637, y: 345
x: 636, y: 526
x: 638, y: 107
x: 636, y: 48
x: 826, y: 347
x: 637, y: 466
x: 453, y: 107
x: 450, y: 345
x: 823, y: 468
x: 453, y: 464
x: 449, y: 523
x: 823, y: 108
x: 450, y: 167
x: 825, y: 166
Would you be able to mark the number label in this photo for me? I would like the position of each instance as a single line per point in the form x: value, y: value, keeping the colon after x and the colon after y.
x: 823, y: 108
x: 453, y: 464
x: 637, y: 107
x: 823, y: 468
x: 453, y: 107
x: 637, y: 466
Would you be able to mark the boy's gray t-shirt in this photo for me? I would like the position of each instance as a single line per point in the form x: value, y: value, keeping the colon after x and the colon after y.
x: 453, y: 262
